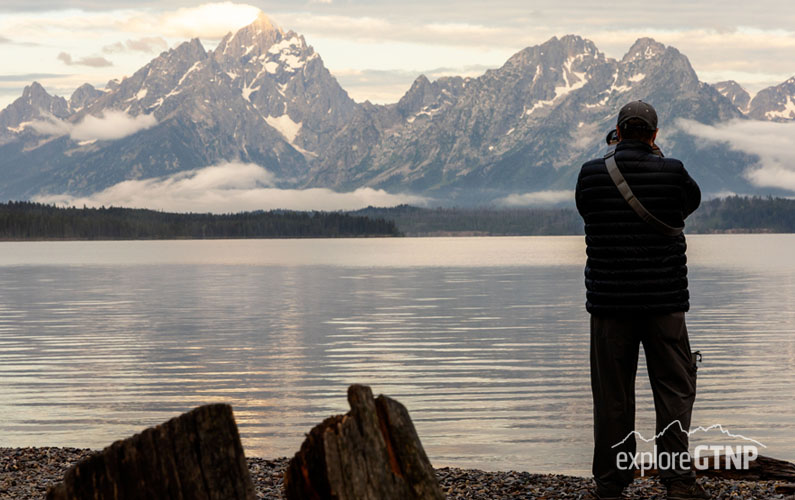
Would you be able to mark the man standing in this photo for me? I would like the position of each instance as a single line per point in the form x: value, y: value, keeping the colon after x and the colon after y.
x: 636, y: 281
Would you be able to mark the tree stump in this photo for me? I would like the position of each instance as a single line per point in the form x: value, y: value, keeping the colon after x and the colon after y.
x: 370, y: 453
x: 197, y: 455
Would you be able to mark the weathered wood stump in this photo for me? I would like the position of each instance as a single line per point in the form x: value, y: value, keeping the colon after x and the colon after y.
x: 370, y: 453
x: 197, y: 455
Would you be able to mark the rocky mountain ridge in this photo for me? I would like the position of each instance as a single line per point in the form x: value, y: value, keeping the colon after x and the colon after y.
x: 264, y: 96
x: 775, y: 103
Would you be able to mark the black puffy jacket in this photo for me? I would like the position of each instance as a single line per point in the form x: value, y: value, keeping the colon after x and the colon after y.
x: 631, y: 268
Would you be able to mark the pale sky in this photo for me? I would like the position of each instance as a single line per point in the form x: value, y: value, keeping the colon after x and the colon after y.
x: 377, y: 48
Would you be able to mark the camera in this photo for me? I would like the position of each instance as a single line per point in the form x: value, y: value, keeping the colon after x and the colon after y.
x: 612, y: 139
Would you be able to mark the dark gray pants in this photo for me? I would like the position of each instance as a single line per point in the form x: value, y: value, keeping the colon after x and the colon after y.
x: 614, y: 360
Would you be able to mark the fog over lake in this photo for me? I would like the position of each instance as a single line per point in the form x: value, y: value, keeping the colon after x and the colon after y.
x: 485, y: 340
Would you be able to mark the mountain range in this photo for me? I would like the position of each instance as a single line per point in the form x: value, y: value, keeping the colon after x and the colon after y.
x: 264, y: 96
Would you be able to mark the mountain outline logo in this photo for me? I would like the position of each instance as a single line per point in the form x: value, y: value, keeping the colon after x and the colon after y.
x: 689, y: 433
x: 730, y: 457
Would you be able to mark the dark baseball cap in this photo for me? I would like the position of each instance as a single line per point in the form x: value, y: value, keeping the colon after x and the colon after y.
x: 641, y: 110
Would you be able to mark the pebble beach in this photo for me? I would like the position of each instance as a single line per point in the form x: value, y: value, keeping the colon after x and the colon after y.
x: 26, y: 473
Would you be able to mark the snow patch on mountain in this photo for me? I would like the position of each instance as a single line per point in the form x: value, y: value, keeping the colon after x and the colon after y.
x: 537, y: 105
x: 285, y: 125
x: 286, y: 45
x: 787, y: 113
x: 601, y: 102
x: 193, y: 68
x: 570, y: 87
x: 619, y: 88
x: 248, y: 90
x: 291, y: 61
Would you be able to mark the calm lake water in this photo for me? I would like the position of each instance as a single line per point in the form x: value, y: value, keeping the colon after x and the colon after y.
x: 485, y: 340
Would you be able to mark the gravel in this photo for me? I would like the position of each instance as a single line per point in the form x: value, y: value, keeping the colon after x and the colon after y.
x: 25, y: 473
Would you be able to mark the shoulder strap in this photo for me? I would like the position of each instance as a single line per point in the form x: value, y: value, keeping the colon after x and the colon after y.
x: 637, y: 206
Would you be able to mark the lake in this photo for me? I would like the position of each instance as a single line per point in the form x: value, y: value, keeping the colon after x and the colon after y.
x: 485, y: 340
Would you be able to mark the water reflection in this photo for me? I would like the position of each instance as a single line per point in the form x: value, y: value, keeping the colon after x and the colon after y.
x: 490, y: 359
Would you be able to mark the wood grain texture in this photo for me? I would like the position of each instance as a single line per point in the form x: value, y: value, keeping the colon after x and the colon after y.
x: 196, y: 456
x: 371, y: 453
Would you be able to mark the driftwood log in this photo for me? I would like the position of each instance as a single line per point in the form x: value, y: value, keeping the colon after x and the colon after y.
x: 370, y: 453
x: 197, y: 455
x: 761, y: 468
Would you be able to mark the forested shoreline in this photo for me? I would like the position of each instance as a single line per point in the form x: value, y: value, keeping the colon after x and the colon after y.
x: 34, y: 221
x: 733, y: 214
x: 744, y: 214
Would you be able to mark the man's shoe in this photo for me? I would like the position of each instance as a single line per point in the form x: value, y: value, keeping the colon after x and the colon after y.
x: 597, y: 494
x: 686, y: 489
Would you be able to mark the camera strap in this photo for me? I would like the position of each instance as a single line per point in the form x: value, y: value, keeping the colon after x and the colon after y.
x: 637, y: 206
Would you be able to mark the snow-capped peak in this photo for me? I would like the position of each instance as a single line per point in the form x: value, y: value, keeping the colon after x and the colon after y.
x: 644, y: 49
x: 251, y: 40
x: 265, y: 23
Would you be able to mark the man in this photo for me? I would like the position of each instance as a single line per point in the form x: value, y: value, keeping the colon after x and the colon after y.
x: 636, y: 281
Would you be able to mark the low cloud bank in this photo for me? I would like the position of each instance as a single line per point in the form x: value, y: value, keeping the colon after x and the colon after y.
x: 227, y: 188
x: 536, y: 198
x: 110, y: 126
x: 771, y: 142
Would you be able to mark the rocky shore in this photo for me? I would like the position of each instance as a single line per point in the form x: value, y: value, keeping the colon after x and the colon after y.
x: 25, y: 473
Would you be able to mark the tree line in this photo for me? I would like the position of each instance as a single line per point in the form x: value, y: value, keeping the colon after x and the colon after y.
x: 481, y: 221
x: 27, y: 220
x: 743, y: 214
x: 734, y: 214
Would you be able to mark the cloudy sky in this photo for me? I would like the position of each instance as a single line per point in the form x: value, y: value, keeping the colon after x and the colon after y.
x: 377, y: 47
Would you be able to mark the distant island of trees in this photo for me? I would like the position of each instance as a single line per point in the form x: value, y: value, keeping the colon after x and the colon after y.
x: 34, y: 221
x: 743, y: 214
x: 734, y: 214
x: 482, y: 221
